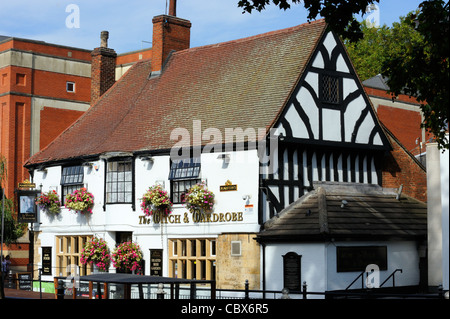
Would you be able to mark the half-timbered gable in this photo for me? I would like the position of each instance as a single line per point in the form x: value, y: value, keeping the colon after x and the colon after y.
x: 328, y: 131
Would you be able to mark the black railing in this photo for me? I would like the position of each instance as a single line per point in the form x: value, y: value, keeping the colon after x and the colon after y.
x: 361, y: 275
x: 247, y: 293
x: 393, y: 277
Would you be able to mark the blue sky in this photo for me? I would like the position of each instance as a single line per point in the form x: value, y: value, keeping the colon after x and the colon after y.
x: 130, y: 22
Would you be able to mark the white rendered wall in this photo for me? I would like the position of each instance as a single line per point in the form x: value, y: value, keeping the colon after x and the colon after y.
x: 319, y: 271
x: 229, y: 211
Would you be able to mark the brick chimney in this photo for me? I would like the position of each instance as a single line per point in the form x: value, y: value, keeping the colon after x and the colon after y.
x: 169, y: 33
x: 103, y: 68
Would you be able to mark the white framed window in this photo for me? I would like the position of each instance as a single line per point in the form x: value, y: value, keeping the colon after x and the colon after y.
x: 235, y: 248
x: 183, y: 175
x: 70, y: 87
x: 71, y: 179
x: 119, y: 182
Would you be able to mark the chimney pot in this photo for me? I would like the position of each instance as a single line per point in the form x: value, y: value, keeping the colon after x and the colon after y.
x: 173, y: 8
x: 104, y: 35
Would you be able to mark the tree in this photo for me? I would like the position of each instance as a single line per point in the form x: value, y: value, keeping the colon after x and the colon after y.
x: 421, y: 68
x: 370, y: 54
x: 418, y: 68
x: 10, y: 229
x: 339, y: 14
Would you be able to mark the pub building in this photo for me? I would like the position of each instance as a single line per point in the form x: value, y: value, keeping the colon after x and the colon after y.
x: 278, y: 127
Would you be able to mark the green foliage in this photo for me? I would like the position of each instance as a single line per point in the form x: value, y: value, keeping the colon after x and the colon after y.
x: 421, y: 68
x: 378, y: 45
x: 12, y: 230
x: 339, y: 14
x: 3, y: 171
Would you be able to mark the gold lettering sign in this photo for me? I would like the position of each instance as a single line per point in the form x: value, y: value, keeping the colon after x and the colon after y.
x: 228, y: 187
x: 27, y: 184
x: 196, y: 218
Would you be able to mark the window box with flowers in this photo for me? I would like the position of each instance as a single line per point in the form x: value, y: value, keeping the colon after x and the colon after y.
x: 156, y: 201
x: 199, y: 199
x: 127, y: 257
x: 96, y: 252
x: 80, y: 201
x: 49, y: 202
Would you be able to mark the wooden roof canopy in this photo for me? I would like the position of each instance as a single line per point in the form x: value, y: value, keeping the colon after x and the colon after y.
x: 348, y: 211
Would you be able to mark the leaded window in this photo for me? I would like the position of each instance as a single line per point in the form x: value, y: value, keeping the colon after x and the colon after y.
x: 119, y: 182
x: 330, y: 89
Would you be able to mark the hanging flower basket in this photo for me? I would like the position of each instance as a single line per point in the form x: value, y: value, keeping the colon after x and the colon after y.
x: 199, y: 199
x: 127, y: 257
x: 49, y: 202
x: 156, y: 200
x: 80, y: 201
x: 96, y: 252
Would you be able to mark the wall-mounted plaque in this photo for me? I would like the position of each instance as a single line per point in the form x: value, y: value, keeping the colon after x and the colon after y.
x: 292, y: 271
x: 46, y: 260
x: 228, y: 187
x: 156, y: 262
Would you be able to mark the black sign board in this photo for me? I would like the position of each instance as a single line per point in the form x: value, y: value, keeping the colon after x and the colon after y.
x: 24, y: 280
x: 27, y: 206
x: 46, y: 260
x: 356, y: 258
x: 156, y: 262
x: 292, y: 271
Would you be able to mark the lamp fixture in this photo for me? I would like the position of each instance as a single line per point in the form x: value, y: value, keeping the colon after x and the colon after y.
x: 42, y: 169
x: 147, y: 158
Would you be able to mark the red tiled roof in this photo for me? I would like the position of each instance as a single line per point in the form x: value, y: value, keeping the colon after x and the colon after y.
x: 238, y: 84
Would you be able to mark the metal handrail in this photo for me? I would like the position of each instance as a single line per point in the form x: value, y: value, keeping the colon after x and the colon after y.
x: 362, y: 281
x: 393, y: 277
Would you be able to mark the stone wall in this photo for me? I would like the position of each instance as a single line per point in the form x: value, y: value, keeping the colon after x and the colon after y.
x: 233, y: 270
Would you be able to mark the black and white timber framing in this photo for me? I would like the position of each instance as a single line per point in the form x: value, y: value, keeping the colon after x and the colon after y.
x: 328, y: 131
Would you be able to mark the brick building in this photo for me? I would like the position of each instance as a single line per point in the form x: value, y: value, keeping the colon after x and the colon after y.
x: 44, y: 88
x: 402, y: 116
